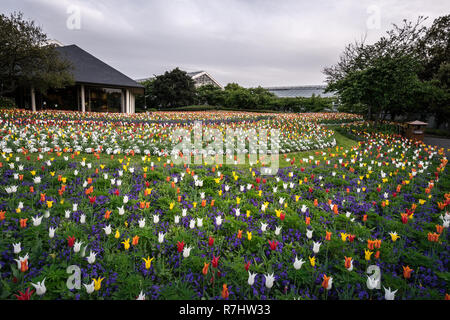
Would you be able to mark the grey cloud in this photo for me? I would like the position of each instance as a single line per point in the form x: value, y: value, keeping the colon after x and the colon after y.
x: 253, y: 42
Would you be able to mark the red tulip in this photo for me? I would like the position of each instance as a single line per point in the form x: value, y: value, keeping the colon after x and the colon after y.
x: 210, y: 241
x: 24, y: 296
x: 273, y: 244
x: 215, y: 261
x: 180, y: 246
x: 70, y: 241
x: 247, y: 266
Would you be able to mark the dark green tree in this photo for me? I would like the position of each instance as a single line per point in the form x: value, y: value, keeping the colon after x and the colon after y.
x: 404, y: 72
x: 26, y: 59
x: 173, y: 89
x: 210, y: 95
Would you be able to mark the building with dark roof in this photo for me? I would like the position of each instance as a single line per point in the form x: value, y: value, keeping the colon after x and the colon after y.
x: 98, y: 87
x: 300, y: 91
x: 200, y: 78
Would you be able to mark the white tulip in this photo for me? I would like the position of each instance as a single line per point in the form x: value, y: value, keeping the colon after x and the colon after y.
x: 77, y: 246
x: 17, y: 247
x: 330, y: 283
x: 107, y: 229
x: 161, y: 236
x: 388, y: 294
x: 199, y: 222
x: 91, y: 258
x: 251, y: 278
x: 141, y: 296
x: 298, y: 263
x: 121, y: 211
x: 37, y: 220
x: 269, y: 280
x: 82, y: 218
x: 186, y: 252
x: 177, y: 219
x: 51, y: 232
x: 316, y: 247
x: 278, y: 230
x: 142, y: 223
x: 263, y: 226
x: 218, y: 220
x: 89, y: 287
x: 40, y: 287
x: 155, y: 218
x: 309, y: 234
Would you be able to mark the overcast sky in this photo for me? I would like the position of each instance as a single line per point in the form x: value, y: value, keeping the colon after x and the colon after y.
x: 251, y: 42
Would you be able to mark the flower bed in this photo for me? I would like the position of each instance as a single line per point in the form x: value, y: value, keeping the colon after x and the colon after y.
x: 370, y: 222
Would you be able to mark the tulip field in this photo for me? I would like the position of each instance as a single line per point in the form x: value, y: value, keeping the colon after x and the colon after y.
x: 92, y: 206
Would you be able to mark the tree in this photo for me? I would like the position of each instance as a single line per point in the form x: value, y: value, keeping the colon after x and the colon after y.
x: 404, y: 72
x: 26, y: 59
x: 211, y: 95
x: 147, y: 100
x: 174, y: 89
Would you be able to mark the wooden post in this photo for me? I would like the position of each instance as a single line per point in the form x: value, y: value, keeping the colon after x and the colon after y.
x: 127, y: 101
x: 122, y: 102
x: 33, y: 100
x: 83, y: 100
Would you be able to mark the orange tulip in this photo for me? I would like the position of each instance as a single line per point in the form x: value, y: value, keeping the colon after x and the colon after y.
x: 24, y: 265
x: 205, y: 268
x: 135, y: 240
x: 407, y: 272
x: 335, y: 209
x: 325, y: 281
x: 225, y: 293
x: 107, y: 214
x: 328, y: 236
x: 439, y: 229
x: 348, y: 262
x: 23, y: 223
x: 2, y: 215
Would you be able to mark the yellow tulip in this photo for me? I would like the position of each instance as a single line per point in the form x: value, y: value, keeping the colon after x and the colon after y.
x: 312, y: 261
x: 148, y: 262
x: 126, y: 244
x: 97, y: 283
x: 117, y: 235
x: 249, y: 235
x: 394, y: 236
x: 367, y: 254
